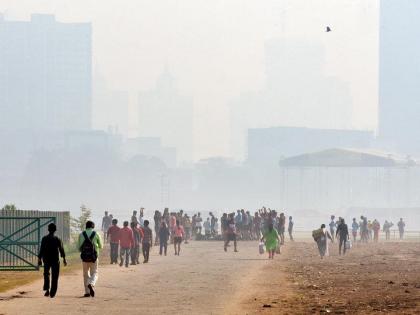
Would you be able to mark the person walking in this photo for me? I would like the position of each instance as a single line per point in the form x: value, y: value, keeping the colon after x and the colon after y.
x: 401, y: 228
x: 364, y: 232
x: 147, y: 241
x: 134, y: 217
x: 49, y: 252
x: 89, y: 245
x: 231, y: 233
x: 187, y: 228
x: 354, y: 229
x: 290, y: 228
x: 238, y: 223
x: 141, y: 217
x: 333, y: 226
x: 387, y: 229
x: 157, y: 219
x: 113, y: 235
x: 321, y: 238
x: 224, y: 225
x: 126, y: 243
x: 198, y: 223
x: 216, y: 228
x: 257, y: 225
x: 106, y: 223
x: 282, y: 227
x: 207, y: 229
x: 272, y: 240
x: 163, y: 238
x: 172, y: 223
x: 376, y: 226
x: 212, y: 224
x: 244, y: 225
x: 135, y: 248
x: 179, y: 234
x: 343, y: 232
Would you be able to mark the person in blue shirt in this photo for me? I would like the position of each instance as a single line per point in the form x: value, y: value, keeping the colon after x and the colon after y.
x: 354, y: 229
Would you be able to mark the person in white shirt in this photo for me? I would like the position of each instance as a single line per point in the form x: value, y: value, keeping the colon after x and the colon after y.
x: 207, y: 228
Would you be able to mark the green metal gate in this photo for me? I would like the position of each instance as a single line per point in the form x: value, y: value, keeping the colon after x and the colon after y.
x: 20, y: 239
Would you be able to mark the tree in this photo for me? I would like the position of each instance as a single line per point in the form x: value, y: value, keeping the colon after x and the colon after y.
x: 78, y: 224
x: 9, y: 207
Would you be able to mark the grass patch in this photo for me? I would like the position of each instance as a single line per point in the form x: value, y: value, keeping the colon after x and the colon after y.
x: 13, y: 279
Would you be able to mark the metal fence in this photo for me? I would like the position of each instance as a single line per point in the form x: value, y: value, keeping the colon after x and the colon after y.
x: 62, y: 220
x: 20, y: 239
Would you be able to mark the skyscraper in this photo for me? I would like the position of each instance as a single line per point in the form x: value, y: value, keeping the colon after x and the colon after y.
x: 109, y: 107
x: 399, y: 75
x: 45, y: 74
x: 165, y: 113
x: 298, y: 92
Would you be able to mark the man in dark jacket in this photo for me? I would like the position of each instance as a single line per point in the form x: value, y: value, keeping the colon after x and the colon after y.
x: 51, y: 248
x: 343, y: 231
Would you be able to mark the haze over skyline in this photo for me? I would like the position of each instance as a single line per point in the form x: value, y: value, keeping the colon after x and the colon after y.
x: 215, y: 50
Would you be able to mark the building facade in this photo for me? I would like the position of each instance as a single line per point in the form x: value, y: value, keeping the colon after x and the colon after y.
x: 166, y: 114
x: 45, y: 74
x: 399, y: 75
x: 298, y: 91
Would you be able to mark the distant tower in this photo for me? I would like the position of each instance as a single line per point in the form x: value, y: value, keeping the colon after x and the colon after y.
x: 165, y: 113
x: 399, y: 75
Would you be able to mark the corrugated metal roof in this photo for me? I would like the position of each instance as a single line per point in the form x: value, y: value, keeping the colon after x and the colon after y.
x: 347, y: 157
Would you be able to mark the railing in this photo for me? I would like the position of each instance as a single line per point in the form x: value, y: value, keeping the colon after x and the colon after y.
x: 62, y: 220
x: 20, y: 240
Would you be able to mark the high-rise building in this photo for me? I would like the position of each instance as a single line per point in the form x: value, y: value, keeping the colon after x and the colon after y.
x: 165, y: 113
x: 45, y: 74
x: 297, y: 92
x: 399, y: 75
x: 109, y: 107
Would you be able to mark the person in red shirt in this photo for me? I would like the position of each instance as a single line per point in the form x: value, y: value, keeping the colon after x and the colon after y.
x: 172, y: 223
x: 126, y: 243
x: 113, y: 235
x: 178, y: 236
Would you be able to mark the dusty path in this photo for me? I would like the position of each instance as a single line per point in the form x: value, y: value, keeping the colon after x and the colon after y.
x: 266, y: 290
x: 197, y: 282
x: 371, y: 279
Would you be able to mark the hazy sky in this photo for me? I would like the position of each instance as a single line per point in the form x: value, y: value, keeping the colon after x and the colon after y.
x: 216, y: 48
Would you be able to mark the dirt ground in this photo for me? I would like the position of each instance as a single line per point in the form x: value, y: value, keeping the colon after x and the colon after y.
x: 197, y: 282
x: 372, y: 278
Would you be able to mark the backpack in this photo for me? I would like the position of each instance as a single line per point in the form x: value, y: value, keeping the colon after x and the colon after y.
x: 316, y: 234
x: 88, y: 249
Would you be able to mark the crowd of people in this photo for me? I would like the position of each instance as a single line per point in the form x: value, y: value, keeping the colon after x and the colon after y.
x: 365, y: 229
x: 135, y: 237
x: 177, y: 227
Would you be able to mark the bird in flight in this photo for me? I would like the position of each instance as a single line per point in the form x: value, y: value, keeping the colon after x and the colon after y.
x: 328, y: 29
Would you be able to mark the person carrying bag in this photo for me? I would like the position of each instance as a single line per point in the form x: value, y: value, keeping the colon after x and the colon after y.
x: 89, y: 245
